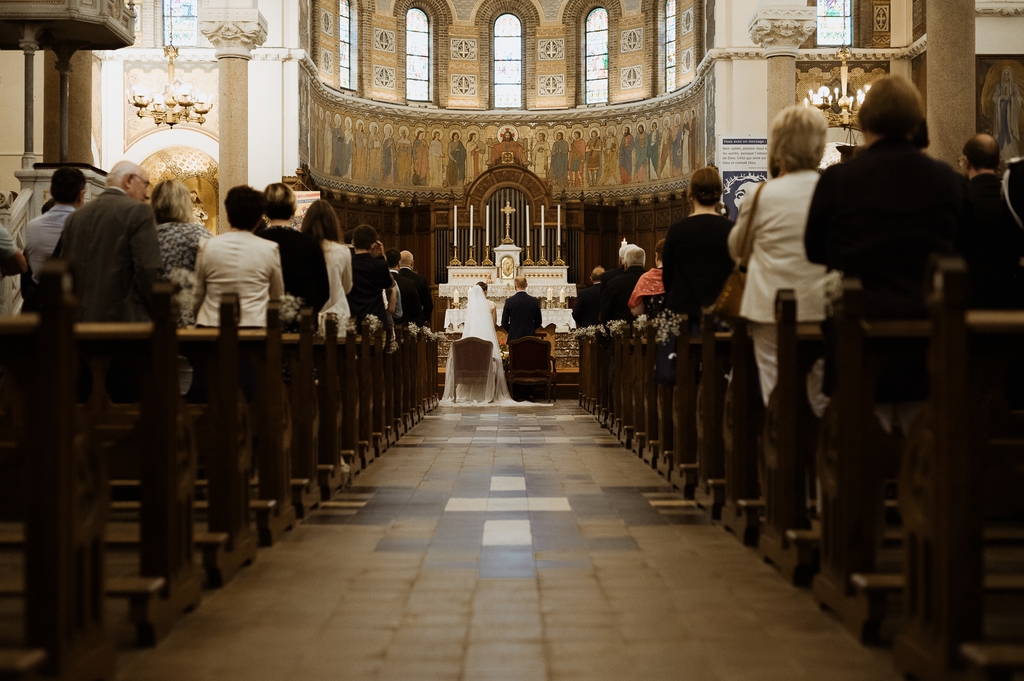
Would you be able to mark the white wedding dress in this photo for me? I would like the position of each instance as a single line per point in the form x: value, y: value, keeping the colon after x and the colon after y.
x: 479, y: 324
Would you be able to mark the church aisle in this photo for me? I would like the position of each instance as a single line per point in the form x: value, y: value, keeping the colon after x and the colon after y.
x: 508, y: 544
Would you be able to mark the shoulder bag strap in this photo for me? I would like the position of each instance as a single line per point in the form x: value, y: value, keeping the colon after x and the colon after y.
x: 748, y: 242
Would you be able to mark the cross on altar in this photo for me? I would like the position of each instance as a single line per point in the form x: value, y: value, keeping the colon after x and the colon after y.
x: 508, y: 210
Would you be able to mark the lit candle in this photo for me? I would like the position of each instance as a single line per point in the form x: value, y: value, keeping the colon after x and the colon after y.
x: 623, y: 242
x: 558, y: 233
x: 471, y: 227
x: 455, y: 227
x: 542, y: 222
x: 561, y: 297
x: 550, y: 293
x: 455, y: 297
x: 542, y: 233
x: 487, y: 226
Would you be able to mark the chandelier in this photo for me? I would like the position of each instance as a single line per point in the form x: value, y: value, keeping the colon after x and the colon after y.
x: 826, y: 100
x: 178, y: 103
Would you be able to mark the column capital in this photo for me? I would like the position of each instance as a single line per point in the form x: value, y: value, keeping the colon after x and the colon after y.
x: 781, y: 29
x: 234, y: 32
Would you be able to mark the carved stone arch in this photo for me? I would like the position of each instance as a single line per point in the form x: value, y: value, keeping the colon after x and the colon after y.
x: 439, y: 14
x: 486, y: 14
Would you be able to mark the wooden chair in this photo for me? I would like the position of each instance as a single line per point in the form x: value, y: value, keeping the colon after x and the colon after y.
x: 530, y: 363
x: 471, y: 359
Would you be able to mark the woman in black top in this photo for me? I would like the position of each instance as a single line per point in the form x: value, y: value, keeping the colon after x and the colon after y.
x: 695, y: 260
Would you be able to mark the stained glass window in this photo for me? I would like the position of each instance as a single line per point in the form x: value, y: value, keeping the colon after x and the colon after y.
x: 181, y: 23
x: 835, y: 22
x: 597, y: 56
x: 417, y: 55
x: 508, y: 62
x: 670, y: 45
x: 344, y: 44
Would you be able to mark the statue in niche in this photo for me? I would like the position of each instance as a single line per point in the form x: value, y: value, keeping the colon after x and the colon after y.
x: 199, y: 211
x: 560, y: 160
x: 541, y: 155
x: 456, y: 171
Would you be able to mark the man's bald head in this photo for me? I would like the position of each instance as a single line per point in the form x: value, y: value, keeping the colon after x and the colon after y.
x: 595, y: 276
x: 131, y: 177
x: 406, y: 259
x: 981, y: 155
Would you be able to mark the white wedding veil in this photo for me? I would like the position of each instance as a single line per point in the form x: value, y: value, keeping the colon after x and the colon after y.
x: 479, y: 324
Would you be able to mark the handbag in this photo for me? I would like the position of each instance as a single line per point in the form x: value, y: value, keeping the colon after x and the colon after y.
x: 727, y: 304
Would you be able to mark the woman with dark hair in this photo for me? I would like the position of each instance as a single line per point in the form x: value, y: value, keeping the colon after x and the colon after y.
x: 238, y: 261
x: 321, y: 223
x: 695, y: 258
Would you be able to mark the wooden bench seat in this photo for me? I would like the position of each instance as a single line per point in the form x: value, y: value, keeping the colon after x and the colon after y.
x: 993, y: 661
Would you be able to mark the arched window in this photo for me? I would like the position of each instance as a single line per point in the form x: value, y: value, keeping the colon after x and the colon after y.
x: 181, y: 23
x: 835, y: 22
x: 344, y: 44
x: 508, y: 62
x: 417, y: 55
x: 597, y: 56
x: 670, y: 45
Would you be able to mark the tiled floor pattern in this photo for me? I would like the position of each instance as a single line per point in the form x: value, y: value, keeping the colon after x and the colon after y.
x: 508, y: 544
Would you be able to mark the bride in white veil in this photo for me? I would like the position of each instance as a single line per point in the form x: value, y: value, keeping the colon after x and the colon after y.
x: 479, y: 324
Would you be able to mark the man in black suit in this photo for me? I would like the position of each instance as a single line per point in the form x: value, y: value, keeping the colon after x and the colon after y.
x: 614, y: 298
x: 407, y: 293
x: 608, y: 275
x: 521, y: 316
x: 406, y: 269
x: 586, y: 311
x: 988, y: 237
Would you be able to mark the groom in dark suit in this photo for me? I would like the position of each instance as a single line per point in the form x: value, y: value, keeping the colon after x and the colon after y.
x: 521, y: 315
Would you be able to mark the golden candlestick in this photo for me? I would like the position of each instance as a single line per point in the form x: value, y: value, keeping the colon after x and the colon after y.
x: 558, y: 258
x: 455, y: 262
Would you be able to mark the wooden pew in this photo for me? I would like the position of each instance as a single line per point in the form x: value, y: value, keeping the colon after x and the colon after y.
x: 651, y: 434
x: 743, y: 415
x: 715, y: 348
x: 367, y: 447
x: 684, y: 419
x: 53, y: 482
x: 329, y: 380
x: 855, y: 457
x: 271, y: 417
x: 224, y: 437
x: 963, y: 465
x: 298, y: 358
x: 787, y: 538
x: 381, y: 422
x: 351, y: 407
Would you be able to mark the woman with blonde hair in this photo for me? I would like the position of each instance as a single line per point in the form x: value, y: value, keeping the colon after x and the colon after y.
x: 321, y: 223
x: 770, y: 232
x: 179, y: 236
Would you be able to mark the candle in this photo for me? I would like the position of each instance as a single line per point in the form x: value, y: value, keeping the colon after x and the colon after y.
x: 455, y: 297
x: 558, y: 234
x: 550, y: 292
x: 527, y: 236
x: 528, y: 220
x: 561, y: 297
x: 471, y: 227
x: 623, y: 242
x: 455, y: 227
x: 487, y: 226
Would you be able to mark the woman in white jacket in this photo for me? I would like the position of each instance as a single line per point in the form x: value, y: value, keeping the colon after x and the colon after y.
x: 777, y: 220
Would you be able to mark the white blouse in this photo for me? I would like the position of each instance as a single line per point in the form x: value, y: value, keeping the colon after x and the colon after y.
x: 339, y: 273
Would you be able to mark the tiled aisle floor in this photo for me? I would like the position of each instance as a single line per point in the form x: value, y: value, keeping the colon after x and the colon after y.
x: 512, y: 544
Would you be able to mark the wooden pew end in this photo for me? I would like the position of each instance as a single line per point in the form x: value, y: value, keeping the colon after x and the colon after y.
x: 743, y: 519
x: 686, y: 482
x: 710, y: 496
x: 795, y: 554
x: 305, y: 496
x: 220, y: 563
x: 331, y: 478
x: 272, y: 520
x: 993, y: 661
x: 17, y: 664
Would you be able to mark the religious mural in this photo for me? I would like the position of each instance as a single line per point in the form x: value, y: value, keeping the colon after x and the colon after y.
x: 637, y: 146
x: 1000, y: 89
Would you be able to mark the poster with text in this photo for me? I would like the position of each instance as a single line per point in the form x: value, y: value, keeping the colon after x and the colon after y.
x: 743, y: 162
x: 304, y: 200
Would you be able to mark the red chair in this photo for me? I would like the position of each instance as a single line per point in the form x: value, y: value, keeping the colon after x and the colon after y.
x: 530, y: 363
x: 471, y: 360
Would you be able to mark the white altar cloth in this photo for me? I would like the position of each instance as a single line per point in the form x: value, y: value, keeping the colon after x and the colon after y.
x: 560, y: 317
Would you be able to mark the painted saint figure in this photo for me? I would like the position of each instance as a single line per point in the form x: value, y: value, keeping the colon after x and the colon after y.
x: 456, y: 171
x: 640, y: 154
x: 609, y: 174
x: 1007, y: 100
x: 473, y: 157
x: 403, y: 148
x: 626, y: 157
x: 541, y: 155
x: 436, y: 163
x: 593, y: 161
x: 653, y: 147
x: 374, y: 154
x: 560, y: 160
x: 577, y: 154
x: 420, y: 159
x: 389, y: 160
x: 508, y: 144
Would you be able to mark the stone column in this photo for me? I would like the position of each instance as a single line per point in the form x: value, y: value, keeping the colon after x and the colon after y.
x: 67, y: 87
x: 29, y: 46
x: 780, y: 28
x: 950, y: 55
x: 235, y: 33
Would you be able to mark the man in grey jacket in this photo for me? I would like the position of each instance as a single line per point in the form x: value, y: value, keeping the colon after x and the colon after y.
x: 112, y: 246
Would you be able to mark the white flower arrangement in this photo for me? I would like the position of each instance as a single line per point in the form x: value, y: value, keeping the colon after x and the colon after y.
x: 832, y: 289
x: 290, y: 307
x: 640, y: 324
x: 373, y: 324
x: 412, y: 330
x: 617, y: 327
x: 392, y: 346
x: 668, y: 325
